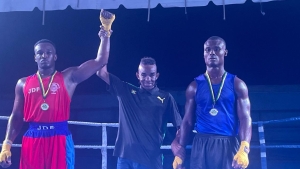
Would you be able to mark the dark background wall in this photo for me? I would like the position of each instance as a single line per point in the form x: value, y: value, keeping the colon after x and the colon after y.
x: 263, y: 51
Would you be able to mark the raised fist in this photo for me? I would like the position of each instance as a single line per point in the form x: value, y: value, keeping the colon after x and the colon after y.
x: 106, y: 19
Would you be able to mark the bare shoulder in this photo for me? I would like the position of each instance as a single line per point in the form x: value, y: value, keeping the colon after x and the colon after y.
x: 69, y: 70
x: 20, y: 85
x: 240, y: 87
x: 67, y: 73
x: 191, y: 89
x: 192, y: 85
x: 21, y: 81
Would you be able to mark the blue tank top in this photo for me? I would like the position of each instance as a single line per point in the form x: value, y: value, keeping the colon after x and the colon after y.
x: 226, y: 121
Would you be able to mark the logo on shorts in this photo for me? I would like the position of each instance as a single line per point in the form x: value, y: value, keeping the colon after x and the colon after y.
x: 161, y: 99
x: 45, y: 127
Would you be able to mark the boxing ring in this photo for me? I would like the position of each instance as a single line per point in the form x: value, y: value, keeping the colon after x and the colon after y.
x: 104, y: 147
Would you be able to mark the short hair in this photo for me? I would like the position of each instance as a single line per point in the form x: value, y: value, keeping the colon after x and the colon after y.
x: 44, y: 41
x: 148, y: 61
x: 216, y: 38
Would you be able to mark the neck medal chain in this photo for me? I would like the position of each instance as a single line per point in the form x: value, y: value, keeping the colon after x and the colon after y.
x: 215, y: 111
x: 45, y: 106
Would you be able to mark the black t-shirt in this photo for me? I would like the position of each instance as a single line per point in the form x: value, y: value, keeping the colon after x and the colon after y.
x: 143, y: 118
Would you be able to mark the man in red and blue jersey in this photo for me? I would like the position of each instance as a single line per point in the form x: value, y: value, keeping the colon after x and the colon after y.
x: 43, y: 100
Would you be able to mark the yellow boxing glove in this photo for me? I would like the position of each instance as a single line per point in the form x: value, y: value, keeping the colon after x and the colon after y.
x: 5, y: 152
x: 241, y: 156
x: 177, y: 161
x: 106, y: 19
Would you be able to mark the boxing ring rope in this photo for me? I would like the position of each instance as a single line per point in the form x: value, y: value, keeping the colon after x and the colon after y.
x: 262, y: 141
x: 104, y: 147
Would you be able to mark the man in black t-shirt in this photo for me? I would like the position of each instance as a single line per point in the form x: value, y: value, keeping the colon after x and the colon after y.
x: 144, y: 112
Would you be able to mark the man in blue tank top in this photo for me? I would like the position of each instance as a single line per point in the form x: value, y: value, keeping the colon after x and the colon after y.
x: 218, y: 107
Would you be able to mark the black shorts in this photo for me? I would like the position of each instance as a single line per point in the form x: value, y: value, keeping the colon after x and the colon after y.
x: 211, y: 151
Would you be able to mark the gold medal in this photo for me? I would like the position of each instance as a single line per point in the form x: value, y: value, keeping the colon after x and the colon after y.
x: 213, y: 112
x: 44, y: 106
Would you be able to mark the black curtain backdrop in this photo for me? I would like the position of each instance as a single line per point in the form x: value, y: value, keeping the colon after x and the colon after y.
x: 263, y: 49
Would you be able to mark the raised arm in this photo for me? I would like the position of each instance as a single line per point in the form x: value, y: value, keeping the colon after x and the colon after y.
x: 245, y: 128
x: 88, y: 68
x: 102, y: 73
x: 14, y: 125
x: 182, y: 136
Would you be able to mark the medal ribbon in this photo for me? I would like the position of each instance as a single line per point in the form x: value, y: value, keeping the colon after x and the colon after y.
x: 42, y: 85
x: 211, y: 89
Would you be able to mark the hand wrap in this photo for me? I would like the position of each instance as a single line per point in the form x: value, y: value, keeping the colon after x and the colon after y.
x: 5, y: 152
x: 107, y: 22
x: 177, y: 161
x: 241, y: 156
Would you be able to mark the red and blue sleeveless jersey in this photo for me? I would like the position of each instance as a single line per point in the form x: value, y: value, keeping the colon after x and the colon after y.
x: 48, y: 142
x: 225, y: 122
x: 57, y: 98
